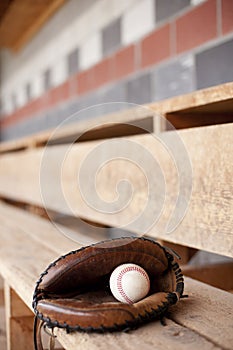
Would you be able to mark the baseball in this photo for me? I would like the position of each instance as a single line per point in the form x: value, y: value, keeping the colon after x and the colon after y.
x: 129, y: 283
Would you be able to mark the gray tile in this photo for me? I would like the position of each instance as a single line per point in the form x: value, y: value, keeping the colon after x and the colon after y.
x: 28, y: 91
x: 32, y: 125
x: 27, y: 127
x: 76, y: 110
x: 175, y: 78
x: 138, y: 90
x: 73, y: 108
x: 103, y: 101
x: 14, y: 101
x: 35, y: 124
x: 47, y: 81
x: 10, y: 134
x: 111, y: 37
x: 215, y: 65
x: 90, y: 106
x: 73, y: 62
x: 50, y: 118
x: 114, y: 107
x: 63, y: 114
x: 167, y: 8
x: 13, y: 132
x: 20, y: 129
x: 100, y: 102
x: 1, y: 107
x: 114, y: 93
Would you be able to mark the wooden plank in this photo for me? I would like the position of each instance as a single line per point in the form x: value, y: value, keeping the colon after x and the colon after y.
x: 212, y: 232
x: 1, y: 287
x: 196, y: 316
x: 133, y: 121
x: 21, y: 268
x: 196, y: 99
x: 207, y: 311
x: 24, y: 282
x: 23, y: 19
x: 21, y: 331
x: 66, y: 238
x: 37, y: 23
x: 190, y: 120
x: 19, y: 320
x: 126, y: 124
x: 150, y: 337
x: 39, y: 230
x: 185, y: 253
x: 22, y: 259
x: 217, y: 275
x: 15, y: 307
x: 1, y: 297
x: 205, y: 99
x: 208, y: 221
x: 3, y: 343
x: 44, y: 241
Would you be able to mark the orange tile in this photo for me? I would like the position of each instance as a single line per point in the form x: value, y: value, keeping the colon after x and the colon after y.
x: 227, y: 16
x: 102, y: 72
x: 85, y: 81
x: 124, y: 62
x: 156, y: 46
x: 58, y: 94
x: 197, y: 26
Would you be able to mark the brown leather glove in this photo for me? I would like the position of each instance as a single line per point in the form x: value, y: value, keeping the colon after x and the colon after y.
x: 73, y: 292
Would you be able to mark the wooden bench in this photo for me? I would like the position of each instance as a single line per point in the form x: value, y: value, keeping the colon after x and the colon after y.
x: 31, y: 237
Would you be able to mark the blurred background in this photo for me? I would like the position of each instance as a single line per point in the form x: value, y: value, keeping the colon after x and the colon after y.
x: 59, y: 56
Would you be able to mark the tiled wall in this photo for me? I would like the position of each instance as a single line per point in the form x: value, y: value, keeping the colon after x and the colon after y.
x: 98, y: 51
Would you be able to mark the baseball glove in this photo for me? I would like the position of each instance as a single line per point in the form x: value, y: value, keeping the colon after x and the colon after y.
x: 73, y: 292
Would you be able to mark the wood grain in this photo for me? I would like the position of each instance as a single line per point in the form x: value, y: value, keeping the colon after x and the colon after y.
x: 199, y: 312
x: 217, y: 323
x: 208, y: 221
x: 3, y: 344
x: 197, y: 99
x: 42, y: 231
x: 218, y: 275
x: 23, y: 19
x: 149, y: 337
x: 185, y: 253
x: 19, y: 320
x: 190, y: 320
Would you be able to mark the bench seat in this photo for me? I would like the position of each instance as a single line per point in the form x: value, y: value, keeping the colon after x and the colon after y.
x: 204, y: 320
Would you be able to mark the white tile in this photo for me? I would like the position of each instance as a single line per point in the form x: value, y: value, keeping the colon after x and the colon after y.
x: 196, y: 2
x: 21, y: 96
x: 90, y: 51
x: 138, y: 21
x: 37, y: 86
x: 108, y: 10
x: 6, y: 105
x: 59, y: 74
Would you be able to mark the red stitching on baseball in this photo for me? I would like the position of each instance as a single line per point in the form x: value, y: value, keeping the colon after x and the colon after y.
x: 119, y: 281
